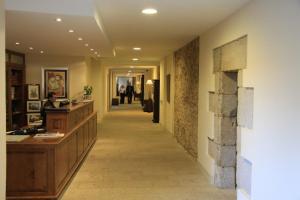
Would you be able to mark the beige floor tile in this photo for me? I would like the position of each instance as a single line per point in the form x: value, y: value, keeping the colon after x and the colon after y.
x: 134, y: 159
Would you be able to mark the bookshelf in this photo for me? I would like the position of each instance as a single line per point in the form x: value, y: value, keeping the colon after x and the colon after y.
x: 15, y: 96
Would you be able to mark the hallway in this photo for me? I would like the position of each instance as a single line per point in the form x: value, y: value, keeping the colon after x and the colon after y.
x: 135, y: 159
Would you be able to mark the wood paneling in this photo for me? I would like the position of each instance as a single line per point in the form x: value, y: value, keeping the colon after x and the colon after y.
x: 41, y: 169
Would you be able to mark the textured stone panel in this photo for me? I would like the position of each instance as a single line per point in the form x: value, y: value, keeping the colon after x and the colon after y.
x: 211, y: 101
x: 234, y: 55
x: 224, y: 156
x: 244, y: 174
x: 217, y: 60
x: 226, y: 105
x: 245, y: 107
x: 225, y: 130
x: 226, y: 82
x: 186, y: 96
x: 224, y: 177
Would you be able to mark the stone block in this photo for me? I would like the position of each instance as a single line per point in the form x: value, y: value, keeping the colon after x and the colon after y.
x: 225, y: 130
x: 217, y: 60
x: 224, y: 177
x: 234, y: 55
x: 226, y: 105
x: 226, y: 82
x: 244, y: 174
x: 211, y: 101
x: 245, y: 107
x: 224, y: 156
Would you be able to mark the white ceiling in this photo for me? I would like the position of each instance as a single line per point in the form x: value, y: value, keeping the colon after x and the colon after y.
x: 110, y: 25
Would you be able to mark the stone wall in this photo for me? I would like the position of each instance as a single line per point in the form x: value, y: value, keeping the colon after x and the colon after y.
x: 186, y: 96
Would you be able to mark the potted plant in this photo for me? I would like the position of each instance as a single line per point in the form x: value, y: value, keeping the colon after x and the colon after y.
x: 88, y: 90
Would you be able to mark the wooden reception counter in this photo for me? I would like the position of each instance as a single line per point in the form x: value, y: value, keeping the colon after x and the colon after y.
x: 40, y: 169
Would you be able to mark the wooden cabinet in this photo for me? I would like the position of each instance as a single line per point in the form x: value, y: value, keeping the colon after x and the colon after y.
x: 15, y: 96
x: 41, y: 169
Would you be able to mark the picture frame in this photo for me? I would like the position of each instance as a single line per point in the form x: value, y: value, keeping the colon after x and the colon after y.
x: 34, y: 106
x: 55, y: 80
x: 34, y: 119
x: 33, y: 91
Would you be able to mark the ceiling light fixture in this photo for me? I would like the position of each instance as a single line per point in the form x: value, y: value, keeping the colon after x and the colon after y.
x: 92, y: 49
x: 86, y: 44
x: 79, y: 38
x: 30, y: 48
x: 137, y: 48
x: 149, y: 11
x: 131, y: 67
x: 135, y: 59
x: 17, y: 43
x: 58, y: 19
x: 41, y: 52
x: 71, y: 31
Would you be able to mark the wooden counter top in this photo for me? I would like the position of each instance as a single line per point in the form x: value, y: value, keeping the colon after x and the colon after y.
x: 51, y: 141
x: 69, y: 108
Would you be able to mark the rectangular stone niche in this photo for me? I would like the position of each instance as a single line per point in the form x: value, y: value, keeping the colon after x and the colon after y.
x: 244, y: 174
x: 226, y: 82
x: 224, y: 177
x: 245, y: 107
x: 224, y: 156
x: 225, y: 130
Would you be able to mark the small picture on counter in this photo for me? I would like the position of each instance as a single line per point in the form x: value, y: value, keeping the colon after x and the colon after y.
x: 33, y: 92
x: 34, y: 119
x: 34, y: 106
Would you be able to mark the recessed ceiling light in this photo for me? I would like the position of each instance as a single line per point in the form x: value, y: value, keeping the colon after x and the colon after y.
x: 96, y: 52
x: 17, y: 43
x: 58, y: 19
x: 149, y: 11
x: 86, y: 44
x: 41, y: 52
x: 131, y: 67
x: 30, y: 48
x: 79, y: 38
x: 137, y: 48
x: 71, y: 31
x: 92, y: 49
x: 135, y: 59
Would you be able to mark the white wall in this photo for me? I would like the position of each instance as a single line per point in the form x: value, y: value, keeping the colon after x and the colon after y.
x: 167, y: 108
x: 78, y: 67
x: 2, y: 104
x: 95, y: 78
x: 273, y: 70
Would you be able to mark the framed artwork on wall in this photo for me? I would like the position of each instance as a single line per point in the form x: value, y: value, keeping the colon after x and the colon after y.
x: 56, y: 80
x: 33, y: 92
x: 34, y: 119
x: 34, y: 106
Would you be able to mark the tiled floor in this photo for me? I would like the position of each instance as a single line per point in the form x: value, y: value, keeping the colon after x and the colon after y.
x: 135, y: 159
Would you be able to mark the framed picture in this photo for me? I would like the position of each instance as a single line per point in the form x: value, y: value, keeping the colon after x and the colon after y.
x: 34, y: 119
x: 56, y: 80
x: 33, y: 92
x: 34, y: 106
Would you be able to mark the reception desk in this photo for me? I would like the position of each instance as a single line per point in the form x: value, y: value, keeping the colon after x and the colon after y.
x: 42, y: 168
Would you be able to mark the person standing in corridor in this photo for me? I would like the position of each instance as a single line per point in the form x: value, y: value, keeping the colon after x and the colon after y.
x: 122, y: 92
x: 129, y: 92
